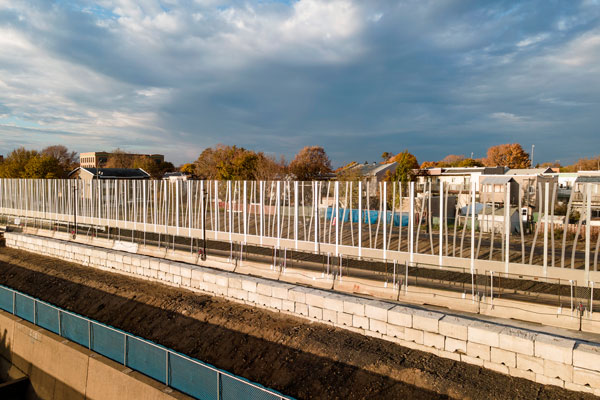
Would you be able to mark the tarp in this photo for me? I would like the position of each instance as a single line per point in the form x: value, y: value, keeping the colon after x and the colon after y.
x: 368, y: 217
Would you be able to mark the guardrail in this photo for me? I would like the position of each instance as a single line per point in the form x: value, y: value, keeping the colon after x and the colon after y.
x: 183, y: 373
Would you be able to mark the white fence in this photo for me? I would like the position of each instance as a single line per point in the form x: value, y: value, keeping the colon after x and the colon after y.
x: 388, y: 220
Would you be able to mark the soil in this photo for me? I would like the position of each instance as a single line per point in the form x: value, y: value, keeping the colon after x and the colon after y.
x: 294, y: 356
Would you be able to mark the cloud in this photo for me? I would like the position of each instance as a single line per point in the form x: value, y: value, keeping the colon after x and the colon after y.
x: 357, y: 77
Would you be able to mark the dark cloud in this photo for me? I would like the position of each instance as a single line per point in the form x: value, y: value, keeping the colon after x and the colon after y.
x: 359, y: 78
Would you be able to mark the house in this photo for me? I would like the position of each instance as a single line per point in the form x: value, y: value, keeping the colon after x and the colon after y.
x: 490, y: 217
x: 584, y: 179
x: 454, y: 178
x: 370, y: 174
x: 493, y: 189
x: 566, y: 181
x: 108, y: 173
x: 532, y: 184
x: 98, y: 159
x: 176, y: 176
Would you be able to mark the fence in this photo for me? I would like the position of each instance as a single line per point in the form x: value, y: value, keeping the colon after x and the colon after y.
x: 176, y: 370
x: 397, y: 220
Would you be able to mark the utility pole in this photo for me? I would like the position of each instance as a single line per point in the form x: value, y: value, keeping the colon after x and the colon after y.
x: 532, y: 149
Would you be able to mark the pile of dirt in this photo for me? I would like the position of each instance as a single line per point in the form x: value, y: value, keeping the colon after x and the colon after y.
x: 297, y: 357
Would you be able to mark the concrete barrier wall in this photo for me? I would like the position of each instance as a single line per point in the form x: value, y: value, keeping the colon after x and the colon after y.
x: 60, y: 369
x: 518, y: 352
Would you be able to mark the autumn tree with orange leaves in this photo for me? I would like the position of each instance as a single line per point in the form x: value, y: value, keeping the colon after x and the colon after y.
x: 509, y: 155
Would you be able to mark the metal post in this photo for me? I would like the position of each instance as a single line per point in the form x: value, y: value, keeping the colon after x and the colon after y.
x: 588, y: 212
x: 167, y: 368
x: 245, y: 214
x: 278, y: 213
x: 411, y: 221
x: 204, y: 207
x: 406, y: 278
x: 571, y: 283
x: 507, y: 227
x: 296, y: 215
x: 385, y: 220
x: 337, y: 214
x: 219, y: 386
x: 89, y: 334
x: 492, y: 288
x: 262, y: 196
x: 440, y: 224
x: 592, y: 299
x: 125, y: 350
x: 473, y: 227
x: 546, y: 222
x: 177, y: 206
x: 360, y: 219
x: 59, y: 324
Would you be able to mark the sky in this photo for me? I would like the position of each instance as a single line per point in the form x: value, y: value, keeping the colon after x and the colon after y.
x: 359, y: 78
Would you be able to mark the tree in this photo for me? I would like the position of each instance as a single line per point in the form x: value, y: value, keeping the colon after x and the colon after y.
x: 67, y: 159
x: 119, y: 159
x: 310, y: 163
x: 156, y: 170
x: 406, y: 164
x: 509, y: 155
x: 469, y: 162
x: 429, y: 164
x: 43, y: 166
x: 14, y: 164
x: 188, y: 168
x: 236, y: 163
x: 386, y: 156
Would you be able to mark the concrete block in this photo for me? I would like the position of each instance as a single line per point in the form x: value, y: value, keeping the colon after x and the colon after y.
x: 426, y: 320
x: 447, y: 354
x: 186, y: 272
x: 471, y: 360
x: 378, y: 326
x: 434, y: 340
x: 263, y: 300
x: 377, y: 310
x: 344, y: 319
x: 395, y: 331
x: 249, y: 285
x: 222, y: 279
x: 501, y: 356
x: 194, y: 282
x: 554, y: 348
x: 234, y: 282
x: 587, y: 356
x: 401, y: 316
x: 315, y: 312
x: 164, y: 266
x: 252, y: 297
x: 586, y: 377
x: 276, y: 303
x: 237, y: 293
x: 264, y: 289
x: 334, y: 302
x: 360, y: 322
x: 455, y: 345
x: 413, y: 335
x: 578, y: 388
x: 529, y: 363
x: 484, y: 333
x: 354, y: 307
x: 478, y: 350
x: 176, y: 279
x: 454, y: 327
x: 517, y: 340
x: 501, y: 368
x: 553, y: 369
x: 518, y: 373
x: 297, y: 295
x: 301, y: 308
x: 544, y: 380
x: 136, y: 261
x: 329, y: 315
x: 210, y: 277
x: 315, y: 298
x: 287, y: 305
x: 280, y: 291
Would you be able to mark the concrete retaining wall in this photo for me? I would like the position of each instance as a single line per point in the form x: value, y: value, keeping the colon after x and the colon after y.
x: 518, y: 352
x: 60, y: 369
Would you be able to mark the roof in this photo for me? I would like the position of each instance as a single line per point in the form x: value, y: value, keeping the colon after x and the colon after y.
x: 497, y: 180
x: 168, y: 174
x: 114, y: 173
x: 371, y: 169
x: 529, y: 171
x: 498, y: 211
x: 588, y: 179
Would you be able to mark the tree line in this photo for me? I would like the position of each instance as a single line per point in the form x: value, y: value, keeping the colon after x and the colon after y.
x: 52, y: 162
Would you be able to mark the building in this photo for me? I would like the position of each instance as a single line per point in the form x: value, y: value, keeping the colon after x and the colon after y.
x: 454, y: 178
x: 108, y: 173
x: 369, y: 174
x: 532, y: 184
x: 584, y: 179
x: 98, y: 159
x: 176, y: 176
x: 493, y: 218
x: 493, y: 189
